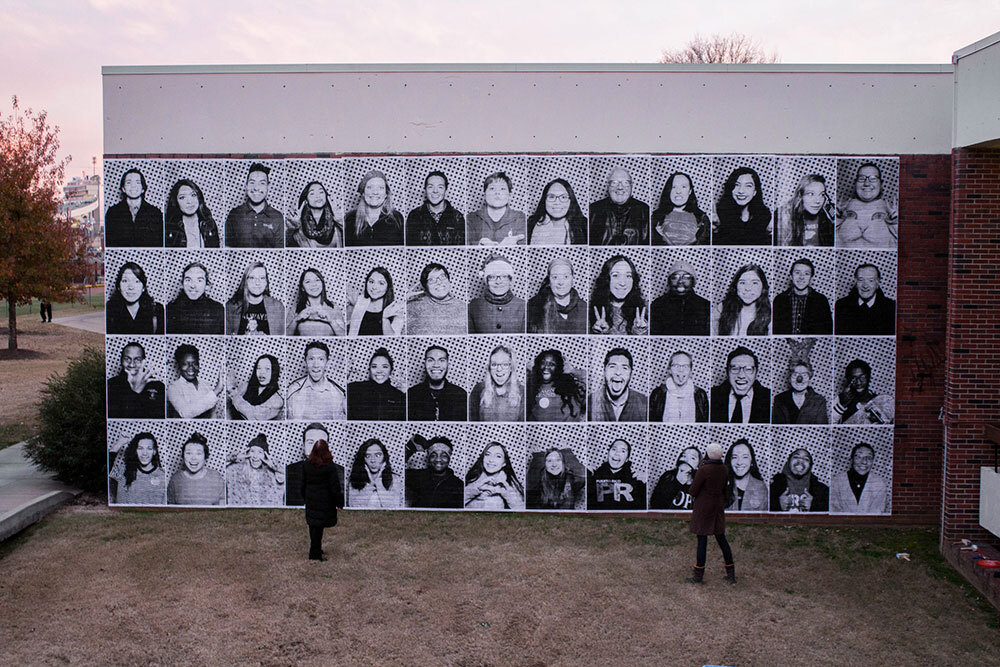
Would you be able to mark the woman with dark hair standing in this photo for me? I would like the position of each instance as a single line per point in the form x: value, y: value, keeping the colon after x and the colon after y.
x: 258, y: 399
x: 313, y: 313
x: 616, y: 304
x: 746, y: 308
x: 189, y: 223
x: 316, y: 225
x: 376, y: 312
x: 807, y: 219
x: 744, y: 219
x: 749, y: 489
x: 373, y: 483
x: 710, y: 487
x: 554, y: 394
x: 131, y: 309
x: 320, y: 487
x: 557, y: 219
x: 677, y: 219
x: 375, y: 222
x: 141, y: 481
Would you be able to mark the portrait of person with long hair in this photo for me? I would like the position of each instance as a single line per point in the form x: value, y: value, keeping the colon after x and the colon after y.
x: 188, y: 222
x: 252, y: 311
x: 745, y: 309
x: 131, y: 309
x: 374, y: 222
x: 553, y: 393
x: 499, y: 396
x: 372, y: 483
x: 133, y: 222
x: 193, y: 311
x: 678, y: 220
x: 376, y: 312
x: 617, y: 306
x: 556, y: 480
x: 257, y: 398
x: 315, y: 224
x: 313, y: 314
x: 558, y: 219
x: 140, y: 479
x: 744, y: 219
x: 807, y: 218
x: 557, y: 307
x: 375, y: 398
x: 613, y: 484
x: 749, y: 488
x: 491, y: 483
x: 673, y: 489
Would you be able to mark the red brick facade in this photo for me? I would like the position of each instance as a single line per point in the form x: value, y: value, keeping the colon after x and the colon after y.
x: 973, y: 368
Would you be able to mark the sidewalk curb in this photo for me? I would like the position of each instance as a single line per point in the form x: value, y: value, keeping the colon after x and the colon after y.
x: 32, y: 512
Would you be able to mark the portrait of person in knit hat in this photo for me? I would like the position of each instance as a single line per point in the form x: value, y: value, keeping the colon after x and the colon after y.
x: 252, y: 477
x: 557, y: 307
x: 498, y: 310
x: 680, y: 311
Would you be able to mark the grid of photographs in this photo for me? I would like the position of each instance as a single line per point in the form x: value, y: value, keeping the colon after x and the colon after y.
x: 503, y: 332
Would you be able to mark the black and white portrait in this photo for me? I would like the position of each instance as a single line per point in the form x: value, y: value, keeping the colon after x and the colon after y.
x: 556, y: 475
x: 800, y: 469
x: 744, y: 200
x: 375, y: 478
x: 134, y: 203
x: 861, y: 471
x: 435, y: 201
x: 195, y: 204
x: 865, y: 381
x: 136, y: 474
x: 558, y: 188
x: 619, y: 200
x: 438, y: 295
x: 556, y: 378
x: 135, y: 297
x: 867, y: 203
x: 376, y: 292
x: 255, y: 469
x: 438, y: 379
x: 675, y: 453
x: 802, y: 380
x: 497, y: 371
x: 866, y: 291
x: 741, y: 305
x: 803, y: 288
x: 617, y: 462
x: 681, y: 283
x: 254, y: 199
x: 682, y: 201
x: 681, y: 377
x: 748, y: 458
x: 805, y: 209
x: 314, y: 293
x: 618, y: 302
x: 195, y: 284
x: 376, y: 379
x: 255, y: 281
x: 740, y: 369
x: 256, y: 383
x: 373, y: 218
x: 196, y: 377
x: 195, y: 459
x: 497, y: 290
x: 316, y: 369
x: 558, y: 288
x: 314, y: 205
x: 431, y: 481
x: 497, y: 200
x: 300, y: 438
x: 136, y: 369
x: 493, y: 461
x: 619, y: 379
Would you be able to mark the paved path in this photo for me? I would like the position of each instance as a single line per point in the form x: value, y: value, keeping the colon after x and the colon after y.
x: 27, y: 494
x: 88, y: 321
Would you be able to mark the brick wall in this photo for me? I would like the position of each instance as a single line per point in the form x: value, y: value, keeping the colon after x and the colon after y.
x: 973, y: 366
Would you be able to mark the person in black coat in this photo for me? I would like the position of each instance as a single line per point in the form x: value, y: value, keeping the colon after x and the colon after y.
x: 294, y: 471
x: 741, y: 367
x: 323, y: 494
x: 680, y: 312
x: 815, y: 310
x: 796, y: 488
x: 131, y: 309
x: 133, y: 222
x: 866, y: 310
x: 193, y: 311
x: 619, y: 218
x: 435, y: 222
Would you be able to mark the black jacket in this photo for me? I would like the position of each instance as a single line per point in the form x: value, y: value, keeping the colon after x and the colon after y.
x: 145, y: 232
x: 323, y: 494
x: 387, y: 230
x: 421, y: 230
x: 817, y: 489
x: 815, y: 321
x: 607, y: 490
x: 450, y: 407
x: 176, y: 237
x: 201, y: 316
x: 673, y: 315
x: 852, y: 319
x: 126, y: 404
x: 423, y: 490
x: 658, y: 399
x: 148, y: 319
x: 376, y: 402
x: 293, y: 481
x: 760, y: 406
x: 637, y: 231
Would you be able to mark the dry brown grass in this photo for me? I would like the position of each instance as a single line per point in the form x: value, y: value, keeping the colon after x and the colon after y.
x: 44, y: 349
x: 91, y: 585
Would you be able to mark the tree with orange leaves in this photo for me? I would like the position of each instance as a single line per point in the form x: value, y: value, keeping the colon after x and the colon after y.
x: 40, y: 251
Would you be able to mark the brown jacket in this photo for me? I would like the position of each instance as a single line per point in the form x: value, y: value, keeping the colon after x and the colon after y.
x: 709, y: 515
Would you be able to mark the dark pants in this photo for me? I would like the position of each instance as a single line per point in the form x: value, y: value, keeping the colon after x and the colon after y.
x: 727, y: 553
x: 315, y: 541
x: 46, y: 311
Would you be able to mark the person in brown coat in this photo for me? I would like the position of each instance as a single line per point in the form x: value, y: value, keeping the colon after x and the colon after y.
x: 709, y: 515
x: 320, y: 487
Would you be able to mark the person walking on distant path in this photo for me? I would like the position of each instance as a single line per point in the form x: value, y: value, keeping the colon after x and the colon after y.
x: 709, y: 489
x: 46, y: 310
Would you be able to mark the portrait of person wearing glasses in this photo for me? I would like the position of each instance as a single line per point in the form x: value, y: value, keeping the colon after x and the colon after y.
x: 619, y: 218
x: 499, y: 396
x: 858, y: 490
x: 741, y: 399
x: 867, y: 220
x: 558, y: 219
x: 498, y: 310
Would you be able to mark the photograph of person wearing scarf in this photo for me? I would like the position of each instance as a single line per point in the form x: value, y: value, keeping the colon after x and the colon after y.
x: 796, y: 488
x: 498, y: 310
x: 557, y: 307
x: 257, y: 398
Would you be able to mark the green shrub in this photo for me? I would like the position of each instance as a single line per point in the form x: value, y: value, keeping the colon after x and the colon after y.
x: 72, y: 442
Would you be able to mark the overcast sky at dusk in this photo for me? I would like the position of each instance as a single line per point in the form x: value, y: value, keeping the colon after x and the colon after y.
x: 52, y: 50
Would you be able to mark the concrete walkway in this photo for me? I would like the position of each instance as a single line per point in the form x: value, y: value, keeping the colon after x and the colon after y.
x: 27, y: 494
x: 88, y: 321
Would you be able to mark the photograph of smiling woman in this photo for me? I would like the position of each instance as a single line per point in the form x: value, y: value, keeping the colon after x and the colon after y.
x: 313, y: 313
x: 131, y: 309
x: 745, y: 309
x: 376, y: 312
x: 315, y: 225
x: 557, y: 307
x: 677, y: 219
x: 141, y: 480
x: 558, y: 219
x: 372, y: 483
x: 192, y: 311
x: 743, y: 217
x: 188, y: 221
x: 375, y: 398
x: 195, y: 483
x: 374, y: 222
x: 617, y: 306
x: 750, y: 490
x: 491, y: 483
x: 807, y: 218
x: 499, y: 396
x: 555, y: 395
x: 252, y: 311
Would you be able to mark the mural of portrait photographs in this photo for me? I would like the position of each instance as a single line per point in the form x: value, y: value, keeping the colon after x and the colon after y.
x: 503, y: 332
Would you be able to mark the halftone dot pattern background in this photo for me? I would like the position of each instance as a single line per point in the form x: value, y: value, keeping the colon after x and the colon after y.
x: 156, y: 354
x: 158, y: 181
x: 212, y: 365
x: 824, y: 278
x: 238, y: 261
x: 879, y: 437
x: 458, y: 360
x: 820, y: 356
x: 393, y: 436
x: 759, y: 436
x: 427, y: 430
x: 242, y: 353
x: 518, y: 259
x: 849, y: 260
x: 847, y: 172
x: 356, y: 168
x: 759, y: 345
x: 478, y: 436
x: 210, y: 176
x: 237, y: 173
x: 479, y: 349
x: 574, y: 351
x: 660, y: 350
x: 666, y: 441
x: 455, y: 169
x: 544, y: 169
x: 516, y: 168
x: 662, y: 259
x: 698, y: 167
x: 178, y: 432
x: 340, y: 448
x: 600, y: 437
x: 639, y: 347
x: 151, y: 262
x: 174, y: 262
x: 453, y: 259
x: 727, y: 261
x: 328, y: 172
x: 332, y: 265
x: 542, y: 437
x: 538, y: 267
x: 639, y: 256
x: 120, y: 433
x: 360, y: 350
x: 880, y: 353
x: 281, y: 449
x: 817, y: 440
x: 791, y: 170
x: 361, y: 261
x: 294, y: 365
x: 766, y: 167
x: 638, y: 168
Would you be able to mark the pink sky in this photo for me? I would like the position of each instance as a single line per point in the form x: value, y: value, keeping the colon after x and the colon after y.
x: 52, y: 51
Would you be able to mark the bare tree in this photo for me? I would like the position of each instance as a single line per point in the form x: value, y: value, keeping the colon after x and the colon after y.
x: 735, y: 48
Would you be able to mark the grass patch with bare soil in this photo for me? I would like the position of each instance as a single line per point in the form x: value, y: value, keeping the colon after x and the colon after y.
x: 140, y: 587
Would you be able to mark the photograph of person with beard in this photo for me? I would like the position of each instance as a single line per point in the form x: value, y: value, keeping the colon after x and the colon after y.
x: 796, y: 488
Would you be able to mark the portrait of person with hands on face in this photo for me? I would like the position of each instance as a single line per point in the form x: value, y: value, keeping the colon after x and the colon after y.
x: 857, y: 403
x: 491, y: 483
x: 673, y: 489
x: 253, y: 478
x: 796, y: 488
x: 315, y: 223
x: 257, y: 398
x: 313, y: 314
x: 133, y: 393
x: 373, y: 484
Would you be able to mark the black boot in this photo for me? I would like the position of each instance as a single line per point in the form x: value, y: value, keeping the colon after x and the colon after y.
x: 697, y: 575
x: 730, y: 577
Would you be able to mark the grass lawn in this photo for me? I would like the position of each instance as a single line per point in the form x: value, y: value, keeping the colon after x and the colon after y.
x: 43, y: 349
x: 137, y: 587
